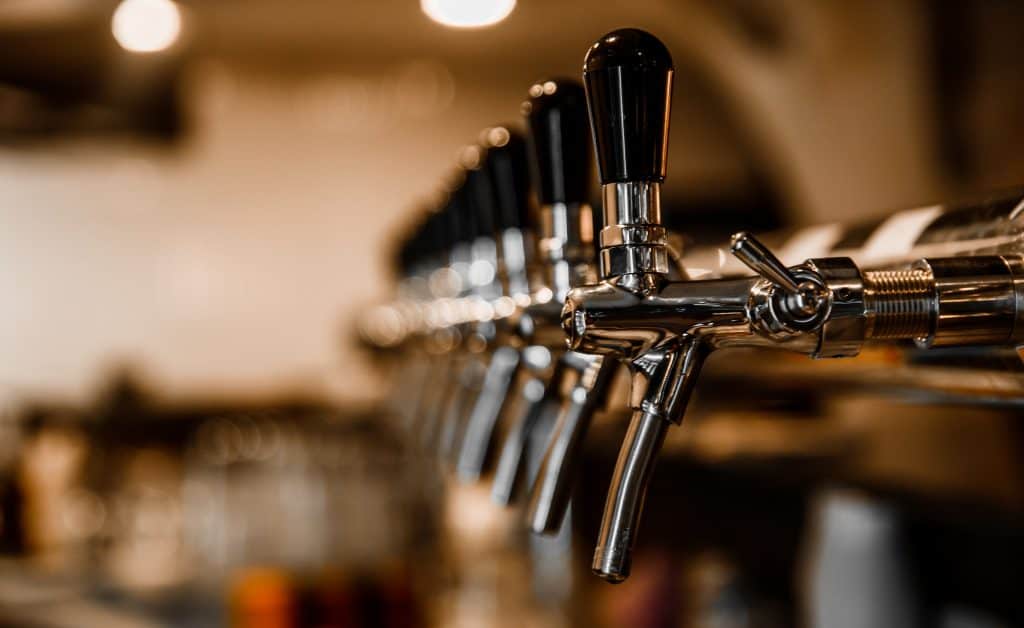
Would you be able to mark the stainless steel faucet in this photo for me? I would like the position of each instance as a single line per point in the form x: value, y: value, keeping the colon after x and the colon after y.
x: 507, y: 166
x: 562, y: 169
x: 488, y: 321
x: 663, y: 330
x: 421, y: 320
x: 557, y: 116
x: 469, y: 269
x: 471, y: 253
x: 456, y: 279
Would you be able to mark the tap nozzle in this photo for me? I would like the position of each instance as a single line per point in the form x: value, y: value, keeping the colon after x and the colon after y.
x: 671, y: 375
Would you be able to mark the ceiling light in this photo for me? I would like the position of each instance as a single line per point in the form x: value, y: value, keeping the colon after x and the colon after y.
x: 467, y: 13
x: 146, y: 25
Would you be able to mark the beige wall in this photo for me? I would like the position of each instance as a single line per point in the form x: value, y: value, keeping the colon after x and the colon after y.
x: 235, y: 263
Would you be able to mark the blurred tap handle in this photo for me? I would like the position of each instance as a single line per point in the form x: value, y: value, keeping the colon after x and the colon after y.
x: 457, y: 225
x: 508, y: 169
x: 481, y: 211
x: 438, y: 236
x: 628, y: 77
x: 556, y: 113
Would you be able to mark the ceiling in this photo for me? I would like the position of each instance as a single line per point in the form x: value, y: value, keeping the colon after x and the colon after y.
x: 809, y: 94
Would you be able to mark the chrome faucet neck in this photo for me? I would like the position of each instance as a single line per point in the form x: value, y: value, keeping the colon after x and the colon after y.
x: 515, y: 262
x: 566, y: 246
x: 633, y: 240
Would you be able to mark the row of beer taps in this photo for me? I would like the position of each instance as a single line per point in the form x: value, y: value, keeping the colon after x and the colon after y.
x: 519, y: 305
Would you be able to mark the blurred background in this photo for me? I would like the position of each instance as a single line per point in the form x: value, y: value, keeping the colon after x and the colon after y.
x: 198, y: 198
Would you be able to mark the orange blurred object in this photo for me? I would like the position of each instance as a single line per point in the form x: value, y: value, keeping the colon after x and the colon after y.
x: 263, y: 598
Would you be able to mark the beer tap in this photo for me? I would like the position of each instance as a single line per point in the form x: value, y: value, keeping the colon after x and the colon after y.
x: 468, y: 267
x: 663, y: 329
x: 475, y: 323
x: 628, y: 76
x: 562, y: 169
x: 557, y: 116
x: 507, y: 166
x: 485, y: 289
x: 444, y: 322
x: 447, y: 308
x: 422, y: 254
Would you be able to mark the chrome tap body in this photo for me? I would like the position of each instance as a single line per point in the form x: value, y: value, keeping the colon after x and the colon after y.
x: 506, y: 168
x: 556, y: 117
x: 585, y: 318
x: 823, y: 308
x: 663, y: 330
x: 628, y: 77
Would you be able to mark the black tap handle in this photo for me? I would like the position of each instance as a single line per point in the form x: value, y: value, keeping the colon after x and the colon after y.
x: 509, y: 173
x: 480, y: 201
x: 436, y: 238
x: 405, y: 257
x: 458, y: 222
x: 479, y: 191
x: 628, y: 77
x: 425, y: 241
x: 418, y: 247
x: 560, y: 141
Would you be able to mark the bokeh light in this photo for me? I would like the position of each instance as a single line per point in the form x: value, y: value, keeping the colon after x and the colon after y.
x: 468, y: 13
x: 146, y: 25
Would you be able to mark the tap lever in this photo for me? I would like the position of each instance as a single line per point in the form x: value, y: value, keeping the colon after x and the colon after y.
x: 762, y: 261
x: 805, y: 296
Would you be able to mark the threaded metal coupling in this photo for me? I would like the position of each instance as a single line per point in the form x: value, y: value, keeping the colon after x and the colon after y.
x: 899, y: 303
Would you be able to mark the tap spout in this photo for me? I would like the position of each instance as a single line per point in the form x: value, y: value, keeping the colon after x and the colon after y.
x: 541, y: 403
x: 671, y: 380
x: 549, y: 499
x: 496, y: 391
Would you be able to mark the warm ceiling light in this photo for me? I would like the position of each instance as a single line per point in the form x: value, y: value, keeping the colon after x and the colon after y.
x: 146, y: 25
x: 497, y: 136
x: 467, y: 13
x: 470, y: 157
